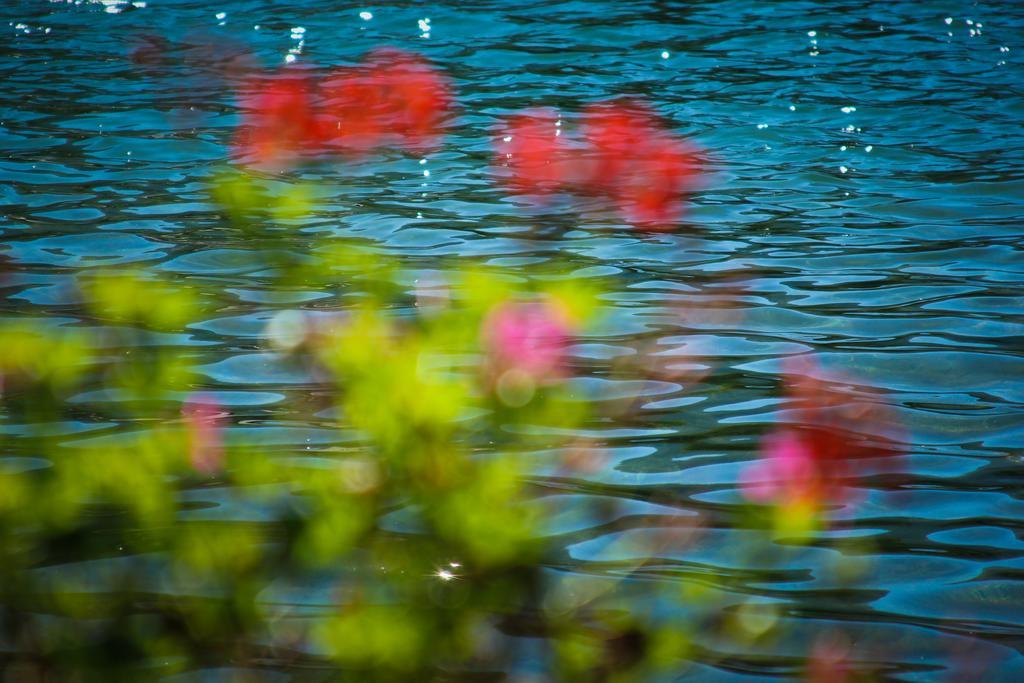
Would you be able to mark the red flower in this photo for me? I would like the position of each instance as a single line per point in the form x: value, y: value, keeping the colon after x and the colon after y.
x: 634, y: 160
x: 616, y: 134
x: 534, y: 154
x: 418, y: 95
x: 279, y: 122
x: 837, y: 428
x: 626, y: 155
x: 659, y: 179
x: 396, y: 97
x: 355, y: 117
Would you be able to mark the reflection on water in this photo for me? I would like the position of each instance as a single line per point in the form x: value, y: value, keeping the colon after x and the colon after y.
x: 864, y: 202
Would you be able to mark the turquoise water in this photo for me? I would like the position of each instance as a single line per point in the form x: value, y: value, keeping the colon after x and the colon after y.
x: 865, y: 200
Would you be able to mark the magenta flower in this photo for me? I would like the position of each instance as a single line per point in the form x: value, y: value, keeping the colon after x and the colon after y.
x: 526, y: 342
x: 786, y: 471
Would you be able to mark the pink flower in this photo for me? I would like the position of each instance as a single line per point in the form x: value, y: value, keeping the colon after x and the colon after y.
x: 838, y: 428
x: 786, y: 470
x: 528, y: 340
x: 204, y: 426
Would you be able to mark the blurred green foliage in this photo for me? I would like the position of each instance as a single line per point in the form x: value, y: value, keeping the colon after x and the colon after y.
x: 425, y: 526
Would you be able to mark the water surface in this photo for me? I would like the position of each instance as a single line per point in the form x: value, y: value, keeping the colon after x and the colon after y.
x: 864, y: 200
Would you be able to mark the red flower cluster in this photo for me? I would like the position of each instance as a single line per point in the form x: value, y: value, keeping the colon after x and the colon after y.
x: 280, y: 124
x: 393, y: 98
x: 625, y: 154
x: 836, y: 430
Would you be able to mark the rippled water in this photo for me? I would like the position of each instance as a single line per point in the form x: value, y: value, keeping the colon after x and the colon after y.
x: 866, y: 202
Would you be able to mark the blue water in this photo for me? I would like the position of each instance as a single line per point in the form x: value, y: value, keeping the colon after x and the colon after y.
x: 864, y: 200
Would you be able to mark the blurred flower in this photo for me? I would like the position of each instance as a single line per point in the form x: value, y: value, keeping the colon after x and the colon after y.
x: 837, y: 428
x: 204, y: 425
x: 533, y: 153
x: 789, y: 471
x: 526, y: 345
x: 354, y: 115
x: 279, y: 123
x: 651, y: 195
x: 625, y: 155
x: 418, y: 95
x: 829, y: 661
x: 615, y: 133
x: 638, y: 163
x: 395, y: 97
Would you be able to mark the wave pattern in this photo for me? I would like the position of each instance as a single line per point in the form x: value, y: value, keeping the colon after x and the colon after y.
x: 865, y: 201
